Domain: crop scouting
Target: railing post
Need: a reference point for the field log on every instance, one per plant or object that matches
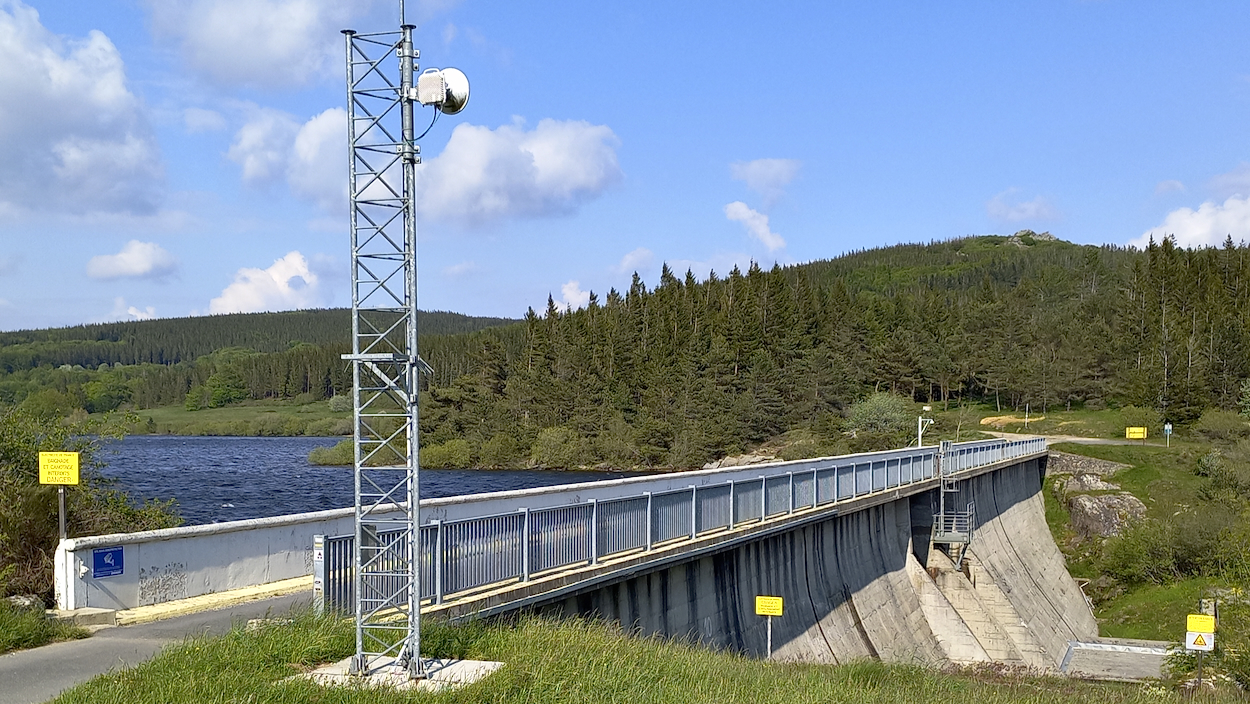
(319, 574)
(763, 498)
(648, 521)
(436, 561)
(525, 545)
(791, 480)
(594, 531)
(732, 500)
(694, 511)
(816, 486)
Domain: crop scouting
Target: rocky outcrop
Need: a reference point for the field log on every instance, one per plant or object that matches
(739, 461)
(1068, 463)
(1104, 515)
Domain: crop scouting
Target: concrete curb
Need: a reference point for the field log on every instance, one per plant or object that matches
(182, 607)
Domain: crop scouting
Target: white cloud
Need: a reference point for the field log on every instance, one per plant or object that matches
(574, 296)
(261, 43)
(756, 224)
(73, 138)
(202, 120)
(485, 175)
(1209, 225)
(1170, 186)
(461, 269)
(1004, 208)
(289, 284)
(1233, 183)
(263, 145)
(640, 258)
(136, 260)
(768, 177)
(317, 169)
(121, 310)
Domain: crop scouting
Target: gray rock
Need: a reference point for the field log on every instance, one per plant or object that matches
(26, 602)
(1105, 515)
(1087, 482)
(739, 461)
(1068, 463)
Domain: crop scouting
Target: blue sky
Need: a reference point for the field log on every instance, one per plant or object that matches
(174, 157)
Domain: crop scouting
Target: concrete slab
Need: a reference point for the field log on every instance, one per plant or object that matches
(1102, 660)
(441, 674)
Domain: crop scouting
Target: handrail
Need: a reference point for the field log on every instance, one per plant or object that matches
(583, 523)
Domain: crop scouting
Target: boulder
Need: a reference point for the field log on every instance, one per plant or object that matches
(1087, 482)
(25, 602)
(1104, 515)
(1068, 463)
(739, 461)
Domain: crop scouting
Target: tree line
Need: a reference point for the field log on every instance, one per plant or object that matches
(693, 369)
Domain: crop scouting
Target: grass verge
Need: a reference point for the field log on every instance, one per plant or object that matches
(26, 628)
(250, 418)
(570, 661)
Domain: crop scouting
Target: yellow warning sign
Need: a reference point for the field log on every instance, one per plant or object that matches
(1199, 640)
(58, 468)
(1135, 432)
(768, 605)
(1201, 623)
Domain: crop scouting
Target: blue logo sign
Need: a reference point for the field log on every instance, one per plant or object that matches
(106, 562)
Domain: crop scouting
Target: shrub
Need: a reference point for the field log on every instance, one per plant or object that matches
(1143, 553)
(28, 514)
(1136, 417)
(341, 404)
(558, 448)
(1223, 426)
(453, 454)
(500, 452)
(880, 413)
(340, 454)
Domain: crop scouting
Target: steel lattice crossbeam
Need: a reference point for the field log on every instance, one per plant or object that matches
(384, 348)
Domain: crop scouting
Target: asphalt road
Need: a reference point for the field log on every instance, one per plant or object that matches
(37, 675)
(1075, 439)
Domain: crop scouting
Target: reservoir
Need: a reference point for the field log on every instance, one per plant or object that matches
(232, 478)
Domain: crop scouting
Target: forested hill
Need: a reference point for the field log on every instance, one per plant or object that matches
(173, 340)
(689, 370)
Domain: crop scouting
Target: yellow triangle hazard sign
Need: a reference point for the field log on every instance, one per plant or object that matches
(1199, 640)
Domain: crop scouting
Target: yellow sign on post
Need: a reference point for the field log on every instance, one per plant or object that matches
(1135, 432)
(59, 468)
(1200, 623)
(768, 605)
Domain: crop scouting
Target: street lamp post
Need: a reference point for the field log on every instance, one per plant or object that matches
(921, 424)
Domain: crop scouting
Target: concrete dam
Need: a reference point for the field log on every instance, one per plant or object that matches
(870, 584)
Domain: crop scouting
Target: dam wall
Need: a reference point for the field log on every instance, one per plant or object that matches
(868, 584)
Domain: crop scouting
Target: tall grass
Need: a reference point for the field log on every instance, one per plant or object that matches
(26, 628)
(571, 661)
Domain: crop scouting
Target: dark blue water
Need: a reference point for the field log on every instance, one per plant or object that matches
(225, 479)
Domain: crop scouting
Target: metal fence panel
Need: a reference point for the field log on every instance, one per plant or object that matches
(670, 515)
(713, 506)
(622, 525)
(804, 490)
(777, 489)
(482, 551)
(748, 496)
(559, 537)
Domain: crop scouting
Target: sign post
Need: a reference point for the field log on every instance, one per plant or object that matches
(1200, 636)
(769, 606)
(60, 469)
(1167, 434)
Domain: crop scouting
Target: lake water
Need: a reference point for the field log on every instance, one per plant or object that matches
(225, 479)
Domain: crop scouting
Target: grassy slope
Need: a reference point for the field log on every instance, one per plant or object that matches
(565, 662)
(248, 418)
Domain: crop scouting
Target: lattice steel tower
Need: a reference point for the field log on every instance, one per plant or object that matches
(385, 365)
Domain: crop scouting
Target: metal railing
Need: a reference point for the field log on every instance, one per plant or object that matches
(471, 553)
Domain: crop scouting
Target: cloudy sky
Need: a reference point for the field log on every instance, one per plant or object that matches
(174, 157)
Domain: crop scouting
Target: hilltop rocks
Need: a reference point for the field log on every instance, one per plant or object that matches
(739, 461)
(1085, 483)
(1104, 515)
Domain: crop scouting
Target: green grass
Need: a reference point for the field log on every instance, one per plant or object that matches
(1152, 612)
(250, 418)
(1161, 477)
(24, 628)
(571, 661)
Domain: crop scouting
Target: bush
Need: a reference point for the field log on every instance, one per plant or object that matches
(1226, 426)
(880, 413)
(342, 454)
(500, 452)
(453, 454)
(341, 404)
(559, 448)
(28, 514)
(1143, 554)
(1136, 417)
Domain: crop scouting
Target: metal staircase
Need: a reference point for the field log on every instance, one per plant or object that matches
(951, 528)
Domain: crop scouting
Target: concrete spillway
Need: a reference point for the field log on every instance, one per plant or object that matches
(868, 585)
